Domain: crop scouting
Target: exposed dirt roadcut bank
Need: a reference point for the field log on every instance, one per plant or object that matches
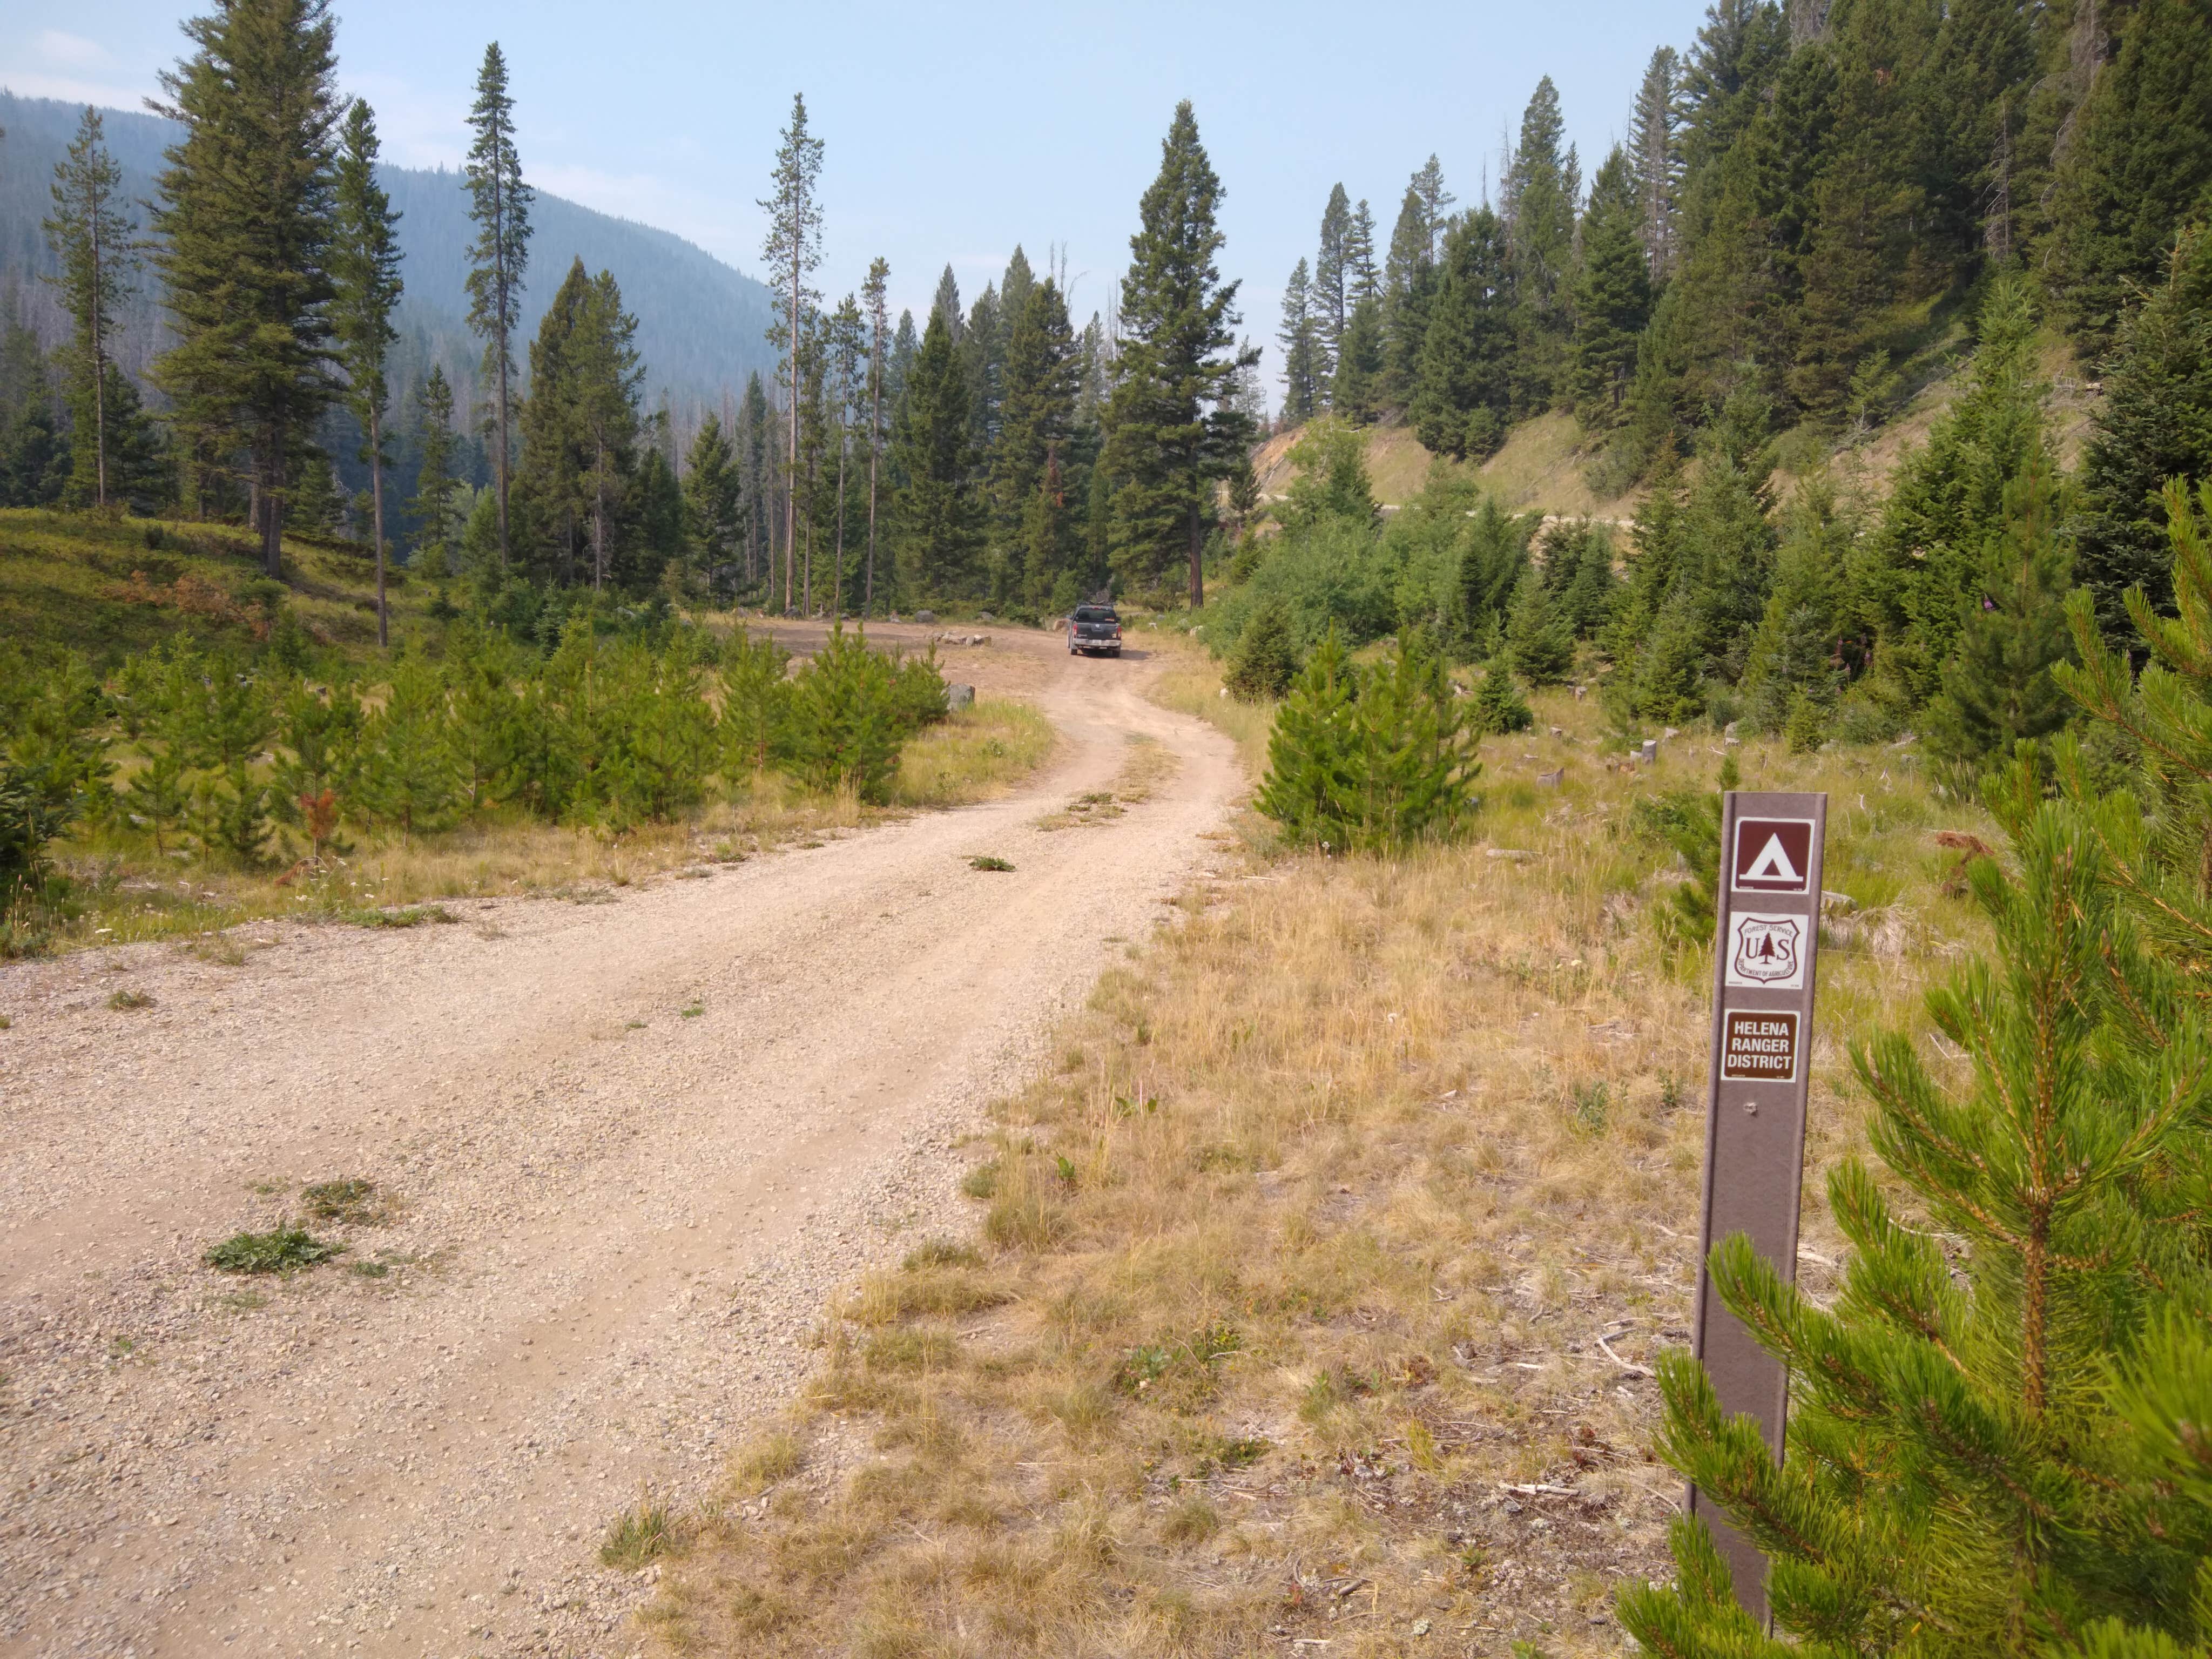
(616, 1216)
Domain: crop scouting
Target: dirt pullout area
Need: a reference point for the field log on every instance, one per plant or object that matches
(620, 1152)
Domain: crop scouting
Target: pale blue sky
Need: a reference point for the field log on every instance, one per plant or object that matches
(952, 133)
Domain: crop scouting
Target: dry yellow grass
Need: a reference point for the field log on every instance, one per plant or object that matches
(977, 754)
(1317, 1280)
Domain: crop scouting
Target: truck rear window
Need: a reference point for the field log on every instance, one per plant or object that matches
(1092, 614)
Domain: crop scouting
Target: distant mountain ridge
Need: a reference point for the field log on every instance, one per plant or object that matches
(700, 323)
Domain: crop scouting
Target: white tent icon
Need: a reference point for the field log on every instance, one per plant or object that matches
(1772, 864)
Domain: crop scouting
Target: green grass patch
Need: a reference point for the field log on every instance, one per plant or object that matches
(412, 915)
(988, 861)
(638, 1537)
(125, 999)
(286, 1249)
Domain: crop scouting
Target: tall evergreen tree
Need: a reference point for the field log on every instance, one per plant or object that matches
(1613, 296)
(1428, 186)
(365, 274)
(1169, 434)
(1997, 689)
(244, 219)
(939, 513)
(755, 450)
(1028, 465)
(1460, 400)
(604, 360)
(1301, 349)
(1406, 285)
(1656, 159)
(1362, 280)
(1332, 297)
(432, 507)
(498, 201)
(873, 293)
(91, 235)
(946, 303)
(792, 249)
(2155, 423)
(1543, 186)
(714, 496)
(553, 490)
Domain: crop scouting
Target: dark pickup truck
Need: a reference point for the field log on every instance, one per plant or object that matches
(1093, 628)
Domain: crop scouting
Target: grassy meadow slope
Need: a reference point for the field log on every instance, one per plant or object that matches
(1317, 1277)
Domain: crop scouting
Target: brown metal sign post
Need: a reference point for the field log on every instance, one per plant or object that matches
(1766, 933)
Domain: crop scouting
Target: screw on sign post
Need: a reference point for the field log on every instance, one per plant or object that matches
(1767, 929)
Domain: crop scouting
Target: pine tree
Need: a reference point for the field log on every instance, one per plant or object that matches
(848, 350)
(938, 514)
(91, 235)
(754, 452)
(1612, 297)
(1655, 158)
(1265, 659)
(946, 304)
(1362, 280)
(1428, 185)
(1169, 433)
(983, 360)
(2154, 424)
(1498, 706)
(792, 249)
(1542, 188)
(713, 496)
(244, 222)
(1997, 686)
(1991, 1444)
(1461, 401)
(1028, 468)
(365, 275)
(1357, 393)
(872, 292)
(1331, 299)
(1792, 664)
(432, 507)
(499, 203)
(1408, 288)
(1539, 641)
(553, 492)
(1301, 350)
(2138, 165)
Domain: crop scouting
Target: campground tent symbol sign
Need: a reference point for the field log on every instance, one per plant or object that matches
(1773, 855)
(1766, 952)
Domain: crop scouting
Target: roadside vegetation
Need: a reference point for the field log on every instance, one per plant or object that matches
(242, 765)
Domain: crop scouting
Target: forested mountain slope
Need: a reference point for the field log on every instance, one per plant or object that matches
(700, 324)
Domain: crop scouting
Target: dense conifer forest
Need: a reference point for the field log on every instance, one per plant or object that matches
(1824, 215)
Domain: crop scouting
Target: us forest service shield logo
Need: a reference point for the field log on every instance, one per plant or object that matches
(1766, 952)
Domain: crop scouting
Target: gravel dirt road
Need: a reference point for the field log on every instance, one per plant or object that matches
(632, 1146)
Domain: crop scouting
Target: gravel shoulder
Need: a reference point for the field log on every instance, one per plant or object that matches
(632, 1146)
